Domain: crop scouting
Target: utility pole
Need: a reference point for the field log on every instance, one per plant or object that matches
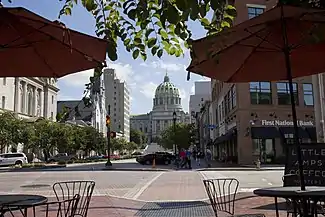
(108, 125)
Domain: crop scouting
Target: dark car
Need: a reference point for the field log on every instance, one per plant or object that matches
(161, 158)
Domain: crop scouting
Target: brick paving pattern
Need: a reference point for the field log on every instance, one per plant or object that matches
(246, 203)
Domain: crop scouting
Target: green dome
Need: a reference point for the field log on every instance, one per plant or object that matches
(166, 88)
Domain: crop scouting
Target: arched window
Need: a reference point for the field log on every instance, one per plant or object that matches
(22, 100)
(30, 102)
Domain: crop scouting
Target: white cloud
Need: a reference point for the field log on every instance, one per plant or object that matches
(124, 72)
(78, 79)
(148, 89)
(163, 65)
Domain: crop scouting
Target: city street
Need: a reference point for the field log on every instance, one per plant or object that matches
(135, 185)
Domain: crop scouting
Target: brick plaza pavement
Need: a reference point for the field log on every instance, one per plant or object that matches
(246, 203)
(115, 207)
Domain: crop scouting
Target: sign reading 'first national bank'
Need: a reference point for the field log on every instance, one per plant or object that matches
(286, 123)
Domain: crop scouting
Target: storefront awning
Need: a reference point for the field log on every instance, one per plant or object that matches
(230, 134)
(264, 133)
(302, 134)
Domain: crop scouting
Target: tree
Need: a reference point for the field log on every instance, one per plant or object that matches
(131, 146)
(182, 136)
(42, 139)
(136, 136)
(9, 130)
(118, 144)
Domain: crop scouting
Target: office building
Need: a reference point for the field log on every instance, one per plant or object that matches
(117, 100)
(254, 120)
(202, 93)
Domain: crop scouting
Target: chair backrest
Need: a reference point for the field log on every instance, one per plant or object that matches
(66, 190)
(222, 194)
(63, 208)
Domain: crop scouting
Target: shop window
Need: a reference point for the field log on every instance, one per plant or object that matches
(254, 11)
(264, 149)
(308, 94)
(260, 92)
(283, 92)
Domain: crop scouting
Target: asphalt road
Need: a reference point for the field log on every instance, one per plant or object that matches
(141, 185)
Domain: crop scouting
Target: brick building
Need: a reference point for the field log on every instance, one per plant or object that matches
(254, 119)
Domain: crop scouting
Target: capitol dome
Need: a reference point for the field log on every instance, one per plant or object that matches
(167, 94)
(166, 88)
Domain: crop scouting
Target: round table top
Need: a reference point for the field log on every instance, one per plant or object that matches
(291, 191)
(22, 200)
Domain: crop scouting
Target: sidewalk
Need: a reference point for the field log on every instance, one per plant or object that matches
(114, 207)
(219, 166)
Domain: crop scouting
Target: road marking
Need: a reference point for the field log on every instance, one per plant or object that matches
(135, 197)
(264, 180)
(269, 183)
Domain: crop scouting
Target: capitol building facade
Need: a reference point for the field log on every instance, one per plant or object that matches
(166, 100)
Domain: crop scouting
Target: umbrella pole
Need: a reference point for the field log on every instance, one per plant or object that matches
(286, 52)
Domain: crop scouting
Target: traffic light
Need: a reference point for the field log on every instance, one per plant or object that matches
(112, 134)
(108, 120)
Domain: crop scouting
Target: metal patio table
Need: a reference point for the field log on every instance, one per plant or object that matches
(21, 201)
(308, 198)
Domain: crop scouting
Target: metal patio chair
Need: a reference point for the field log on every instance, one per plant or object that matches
(222, 196)
(289, 204)
(66, 190)
(64, 208)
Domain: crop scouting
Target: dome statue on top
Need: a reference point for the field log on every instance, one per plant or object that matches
(167, 96)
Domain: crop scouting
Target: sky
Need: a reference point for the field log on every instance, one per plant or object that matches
(141, 76)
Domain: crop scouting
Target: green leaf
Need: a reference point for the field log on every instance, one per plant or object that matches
(160, 53)
(111, 52)
(135, 54)
(205, 22)
(132, 14)
(148, 32)
(172, 15)
(67, 11)
(181, 4)
(152, 42)
(138, 40)
(154, 50)
(127, 41)
(163, 33)
(144, 56)
(172, 50)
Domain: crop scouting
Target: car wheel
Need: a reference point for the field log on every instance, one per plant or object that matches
(148, 162)
(18, 163)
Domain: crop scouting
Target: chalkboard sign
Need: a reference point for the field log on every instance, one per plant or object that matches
(313, 158)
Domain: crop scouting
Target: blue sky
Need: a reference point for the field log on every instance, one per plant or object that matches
(142, 77)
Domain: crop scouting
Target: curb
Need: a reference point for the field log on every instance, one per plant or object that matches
(137, 169)
(33, 169)
(240, 169)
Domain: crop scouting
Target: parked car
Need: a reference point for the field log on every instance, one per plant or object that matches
(113, 156)
(9, 159)
(95, 157)
(136, 153)
(61, 157)
(161, 158)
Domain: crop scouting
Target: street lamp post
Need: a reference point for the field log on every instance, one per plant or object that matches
(108, 125)
(174, 125)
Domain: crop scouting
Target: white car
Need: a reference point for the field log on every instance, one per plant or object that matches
(9, 159)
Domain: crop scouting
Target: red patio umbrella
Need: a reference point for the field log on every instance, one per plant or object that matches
(280, 44)
(33, 46)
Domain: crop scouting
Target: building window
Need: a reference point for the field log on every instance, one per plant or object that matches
(233, 97)
(283, 92)
(260, 92)
(4, 80)
(30, 103)
(3, 102)
(52, 98)
(264, 149)
(308, 94)
(52, 116)
(254, 11)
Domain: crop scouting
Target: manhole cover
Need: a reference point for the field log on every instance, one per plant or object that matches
(35, 186)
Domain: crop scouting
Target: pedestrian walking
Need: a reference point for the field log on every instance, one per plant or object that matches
(208, 157)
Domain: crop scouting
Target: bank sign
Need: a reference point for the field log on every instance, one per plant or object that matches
(286, 123)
